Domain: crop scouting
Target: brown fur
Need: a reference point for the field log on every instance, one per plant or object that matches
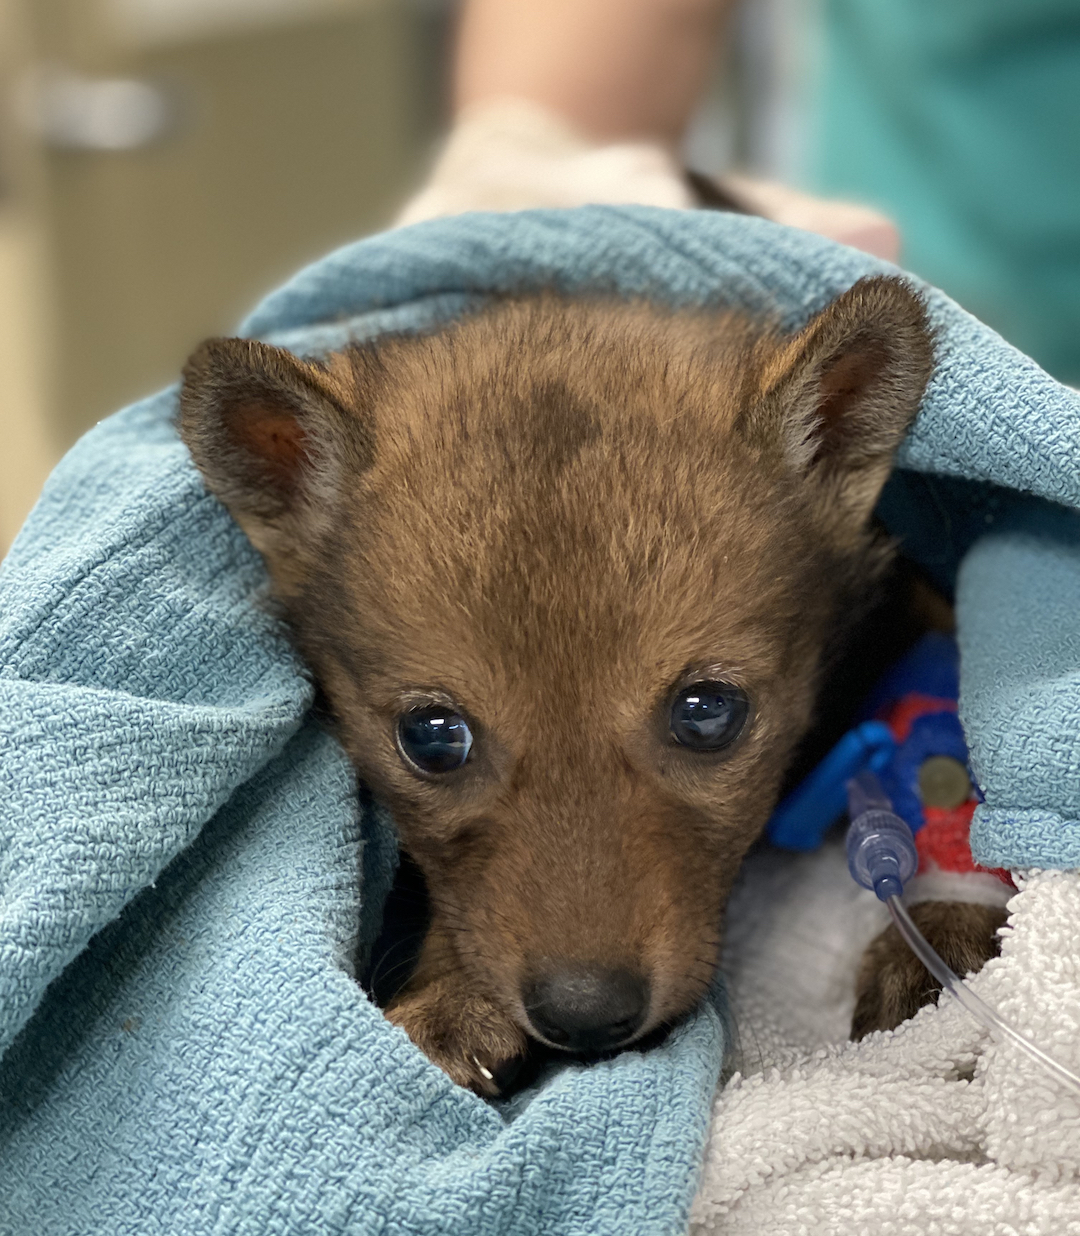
(555, 514)
(893, 984)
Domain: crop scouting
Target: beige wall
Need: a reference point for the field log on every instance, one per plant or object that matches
(28, 448)
(299, 126)
(28, 443)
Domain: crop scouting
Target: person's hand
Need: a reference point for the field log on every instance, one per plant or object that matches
(513, 154)
(851, 224)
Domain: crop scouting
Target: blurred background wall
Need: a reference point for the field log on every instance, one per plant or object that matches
(163, 163)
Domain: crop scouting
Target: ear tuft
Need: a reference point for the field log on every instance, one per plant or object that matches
(273, 436)
(845, 380)
(837, 399)
(266, 429)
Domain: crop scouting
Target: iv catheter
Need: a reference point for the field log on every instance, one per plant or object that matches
(882, 857)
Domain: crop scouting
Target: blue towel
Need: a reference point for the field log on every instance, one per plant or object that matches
(187, 869)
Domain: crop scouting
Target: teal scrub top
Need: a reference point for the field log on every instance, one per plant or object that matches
(961, 119)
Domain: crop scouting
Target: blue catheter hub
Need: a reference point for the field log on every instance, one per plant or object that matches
(881, 851)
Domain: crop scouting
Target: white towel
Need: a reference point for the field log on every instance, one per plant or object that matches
(933, 1129)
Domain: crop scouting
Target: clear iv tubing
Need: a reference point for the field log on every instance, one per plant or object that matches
(882, 857)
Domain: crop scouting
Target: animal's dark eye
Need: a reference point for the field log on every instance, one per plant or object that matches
(707, 716)
(436, 739)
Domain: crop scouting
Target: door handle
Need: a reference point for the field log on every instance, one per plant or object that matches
(69, 111)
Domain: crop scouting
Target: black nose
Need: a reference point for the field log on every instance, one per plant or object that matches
(587, 1008)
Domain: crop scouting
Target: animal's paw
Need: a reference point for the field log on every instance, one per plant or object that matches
(465, 1034)
(893, 984)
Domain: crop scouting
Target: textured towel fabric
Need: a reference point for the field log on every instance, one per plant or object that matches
(182, 881)
(933, 1129)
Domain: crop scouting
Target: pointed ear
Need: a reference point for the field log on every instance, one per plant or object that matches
(269, 432)
(837, 399)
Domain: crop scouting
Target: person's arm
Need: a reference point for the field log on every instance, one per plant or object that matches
(564, 102)
(616, 70)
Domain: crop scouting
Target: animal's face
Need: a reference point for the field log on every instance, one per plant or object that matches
(566, 574)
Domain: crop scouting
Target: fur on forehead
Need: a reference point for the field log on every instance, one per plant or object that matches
(540, 376)
(561, 466)
(575, 472)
